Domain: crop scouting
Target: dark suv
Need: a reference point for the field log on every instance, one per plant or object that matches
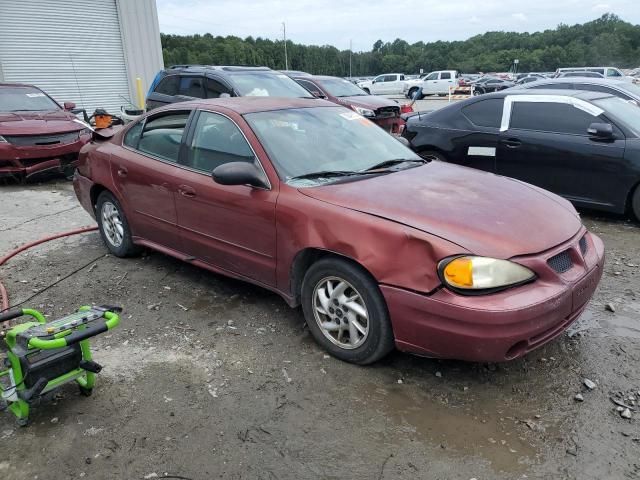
(185, 82)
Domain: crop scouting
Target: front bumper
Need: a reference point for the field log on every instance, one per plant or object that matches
(393, 125)
(24, 161)
(501, 326)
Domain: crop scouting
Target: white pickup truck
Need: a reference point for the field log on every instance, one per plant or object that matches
(387, 84)
(434, 83)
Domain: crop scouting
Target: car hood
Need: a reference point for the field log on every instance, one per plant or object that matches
(37, 123)
(368, 101)
(486, 214)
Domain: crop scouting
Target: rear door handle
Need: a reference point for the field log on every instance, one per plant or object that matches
(511, 143)
(187, 191)
(122, 171)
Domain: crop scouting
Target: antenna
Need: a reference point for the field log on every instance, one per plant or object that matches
(286, 60)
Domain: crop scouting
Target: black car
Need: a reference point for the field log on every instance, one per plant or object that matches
(186, 82)
(582, 145)
(620, 88)
(490, 84)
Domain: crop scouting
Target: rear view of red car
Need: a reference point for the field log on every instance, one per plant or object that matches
(37, 134)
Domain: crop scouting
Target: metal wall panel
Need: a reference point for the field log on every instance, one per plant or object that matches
(141, 39)
(72, 49)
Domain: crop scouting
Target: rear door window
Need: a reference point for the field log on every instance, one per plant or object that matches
(192, 87)
(613, 73)
(162, 136)
(132, 136)
(214, 88)
(168, 85)
(445, 76)
(485, 113)
(312, 87)
(550, 117)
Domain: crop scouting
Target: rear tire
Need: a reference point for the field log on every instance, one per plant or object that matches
(346, 312)
(635, 203)
(114, 227)
(477, 91)
(432, 155)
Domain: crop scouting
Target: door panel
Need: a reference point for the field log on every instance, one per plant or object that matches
(229, 226)
(574, 166)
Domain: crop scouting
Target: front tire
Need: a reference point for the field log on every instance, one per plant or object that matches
(114, 227)
(412, 92)
(477, 91)
(635, 203)
(346, 312)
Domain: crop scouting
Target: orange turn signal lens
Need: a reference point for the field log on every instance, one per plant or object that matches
(459, 272)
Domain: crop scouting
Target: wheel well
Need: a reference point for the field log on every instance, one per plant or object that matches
(96, 190)
(303, 261)
(431, 148)
(628, 208)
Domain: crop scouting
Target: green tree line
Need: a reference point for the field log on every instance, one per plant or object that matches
(607, 40)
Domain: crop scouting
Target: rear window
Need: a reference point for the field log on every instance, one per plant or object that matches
(168, 85)
(192, 87)
(485, 113)
(267, 84)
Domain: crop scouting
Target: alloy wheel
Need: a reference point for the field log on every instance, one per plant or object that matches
(112, 224)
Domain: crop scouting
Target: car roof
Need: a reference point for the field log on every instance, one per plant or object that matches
(582, 94)
(17, 85)
(243, 105)
(592, 80)
(220, 69)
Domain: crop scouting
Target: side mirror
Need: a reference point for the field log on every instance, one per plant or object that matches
(239, 173)
(404, 141)
(373, 81)
(68, 106)
(600, 131)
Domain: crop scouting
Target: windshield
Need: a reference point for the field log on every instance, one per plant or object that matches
(622, 111)
(25, 99)
(267, 84)
(341, 88)
(308, 140)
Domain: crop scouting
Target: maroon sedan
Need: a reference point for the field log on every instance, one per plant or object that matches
(37, 134)
(316, 203)
(382, 111)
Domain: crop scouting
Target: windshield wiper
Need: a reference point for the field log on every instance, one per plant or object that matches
(330, 174)
(395, 161)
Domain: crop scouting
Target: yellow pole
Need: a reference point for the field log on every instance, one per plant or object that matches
(140, 94)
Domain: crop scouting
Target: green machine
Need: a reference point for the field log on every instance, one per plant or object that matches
(44, 355)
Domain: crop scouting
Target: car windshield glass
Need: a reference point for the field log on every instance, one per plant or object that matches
(622, 111)
(267, 84)
(332, 139)
(341, 88)
(25, 99)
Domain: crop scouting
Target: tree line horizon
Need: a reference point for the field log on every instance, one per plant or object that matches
(606, 41)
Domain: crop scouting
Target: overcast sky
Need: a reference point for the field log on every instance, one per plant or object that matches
(335, 22)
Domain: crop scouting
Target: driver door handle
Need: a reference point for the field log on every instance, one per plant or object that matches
(511, 142)
(187, 191)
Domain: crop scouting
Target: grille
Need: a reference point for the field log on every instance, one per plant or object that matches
(562, 262)
(34, 140)
(584, 246)
(385, 112)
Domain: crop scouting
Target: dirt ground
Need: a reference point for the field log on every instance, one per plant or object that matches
(208, 377)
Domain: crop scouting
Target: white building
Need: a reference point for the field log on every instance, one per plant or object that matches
(84, 51)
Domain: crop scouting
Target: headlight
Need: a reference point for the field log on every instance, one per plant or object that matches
(2, 139)
(365, 112)
(470, 274)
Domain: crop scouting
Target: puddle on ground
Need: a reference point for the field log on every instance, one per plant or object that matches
(474, 428)
(624, 322)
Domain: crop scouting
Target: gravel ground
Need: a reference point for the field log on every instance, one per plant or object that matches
(208, 377)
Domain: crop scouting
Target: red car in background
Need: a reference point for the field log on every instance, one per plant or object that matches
(36, 133)
(380, 247)
(380, 110)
